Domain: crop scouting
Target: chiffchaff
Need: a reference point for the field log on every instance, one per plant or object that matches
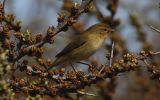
(84, 45)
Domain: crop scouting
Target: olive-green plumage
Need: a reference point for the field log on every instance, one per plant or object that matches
(84, 45)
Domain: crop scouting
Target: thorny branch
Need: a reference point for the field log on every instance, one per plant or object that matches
(77, 80)
(59, 81)
(61, 26)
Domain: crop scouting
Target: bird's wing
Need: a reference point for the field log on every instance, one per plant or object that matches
(78, 42)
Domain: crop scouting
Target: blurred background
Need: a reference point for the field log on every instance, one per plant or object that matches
(38, 15)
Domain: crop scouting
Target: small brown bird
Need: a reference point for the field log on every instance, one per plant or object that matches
(84, 45)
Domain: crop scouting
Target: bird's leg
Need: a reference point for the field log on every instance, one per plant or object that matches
(86, 64)
(73, 68)
(82, 63)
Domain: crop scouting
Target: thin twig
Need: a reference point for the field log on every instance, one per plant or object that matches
(155, 53)
(73, 68)
(85, 93)
(155, 29)
(111, 55)
(102, 69)
(4, 2)
(145, 61)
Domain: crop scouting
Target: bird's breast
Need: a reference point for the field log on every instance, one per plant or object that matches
(88, 49)
(95, 43)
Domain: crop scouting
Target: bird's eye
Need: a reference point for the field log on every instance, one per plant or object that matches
(105, 29)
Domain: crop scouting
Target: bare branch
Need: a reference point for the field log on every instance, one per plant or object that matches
(111, 54)
(155, 29)
(85, 93)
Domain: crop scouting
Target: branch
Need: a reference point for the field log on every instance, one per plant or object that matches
(59, 28)
(111, 54)
(155, 29)
(84, 4)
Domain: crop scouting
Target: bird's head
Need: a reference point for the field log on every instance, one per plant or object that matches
(101, 29)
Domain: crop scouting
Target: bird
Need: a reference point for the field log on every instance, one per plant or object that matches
(84, 45)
